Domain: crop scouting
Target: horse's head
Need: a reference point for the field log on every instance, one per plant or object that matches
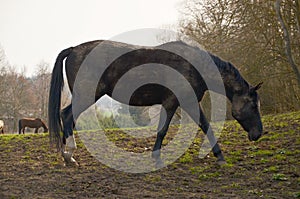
(246, 110)
(45, 128)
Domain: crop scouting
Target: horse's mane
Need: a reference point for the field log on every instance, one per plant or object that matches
(226, 68)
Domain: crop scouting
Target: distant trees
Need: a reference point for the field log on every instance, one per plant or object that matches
(260, 37)
(249, 34)
(41, 85)
(17, 98)
(22, 96)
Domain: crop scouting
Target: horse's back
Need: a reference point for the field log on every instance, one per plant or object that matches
(30, 122)
(86, 50)
(105, 63)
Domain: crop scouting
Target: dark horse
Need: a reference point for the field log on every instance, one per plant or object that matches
(31, 123)
(243, 96)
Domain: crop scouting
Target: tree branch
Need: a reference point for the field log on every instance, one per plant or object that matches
(287, 41)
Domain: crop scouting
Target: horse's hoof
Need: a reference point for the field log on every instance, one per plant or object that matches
(159, 164)
(221, 162)
(156, 154)
(71, 162)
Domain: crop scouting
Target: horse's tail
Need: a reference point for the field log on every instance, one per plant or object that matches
(56, 86)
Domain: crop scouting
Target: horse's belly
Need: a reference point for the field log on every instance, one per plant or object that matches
(146, 95)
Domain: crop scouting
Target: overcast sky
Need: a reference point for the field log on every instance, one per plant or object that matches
(35, 30)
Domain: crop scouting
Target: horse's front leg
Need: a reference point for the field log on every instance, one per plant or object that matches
(163, 125)
(69, 144)
(207, 129)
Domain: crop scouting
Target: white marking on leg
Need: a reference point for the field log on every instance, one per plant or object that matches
(69, 150)
(70, 143)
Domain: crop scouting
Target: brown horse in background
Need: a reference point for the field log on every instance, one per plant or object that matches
(31, 123)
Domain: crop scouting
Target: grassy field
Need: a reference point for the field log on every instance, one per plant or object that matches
(268, 168)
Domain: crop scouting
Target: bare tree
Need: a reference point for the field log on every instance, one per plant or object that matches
(286, 36)
(248, 34)
(17, 98)
(41, 83)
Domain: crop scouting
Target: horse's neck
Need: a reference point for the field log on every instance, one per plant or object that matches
(234, 86)
(233, 82)
(44, 125)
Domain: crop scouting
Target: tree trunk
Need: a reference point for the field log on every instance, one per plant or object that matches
(297, 4)
(287, 41)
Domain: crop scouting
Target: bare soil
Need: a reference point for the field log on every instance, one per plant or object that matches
(268, 168)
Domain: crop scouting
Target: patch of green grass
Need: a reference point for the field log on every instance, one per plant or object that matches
(206, 176)
(227, 165)
(10, 137)
(228, 142)
(234, 157)
(279, 177)
(264, 160)
(236, 152)
(186, 158)
(271, 169)
(198, 169)
(281, 124)
(279, 157)
(271, 136)
(262, 152)
(252, 147)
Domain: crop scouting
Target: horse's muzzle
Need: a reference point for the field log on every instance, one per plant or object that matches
(254, 136)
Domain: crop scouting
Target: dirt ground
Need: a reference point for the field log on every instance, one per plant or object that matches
(269, 168)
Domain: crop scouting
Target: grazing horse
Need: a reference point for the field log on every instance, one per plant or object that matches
(243, 96)
(1, 127)
(32, 123)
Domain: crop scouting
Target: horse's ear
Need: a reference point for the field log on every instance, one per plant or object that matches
(258, 86)
(255, 88)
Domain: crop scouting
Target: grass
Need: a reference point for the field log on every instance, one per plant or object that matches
(280, 177)
(186, 158)
(268, 168)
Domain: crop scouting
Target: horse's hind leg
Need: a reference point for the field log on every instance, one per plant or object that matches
(163, 125)
(69, 144)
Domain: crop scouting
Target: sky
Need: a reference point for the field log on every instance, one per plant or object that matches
(32, 31)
